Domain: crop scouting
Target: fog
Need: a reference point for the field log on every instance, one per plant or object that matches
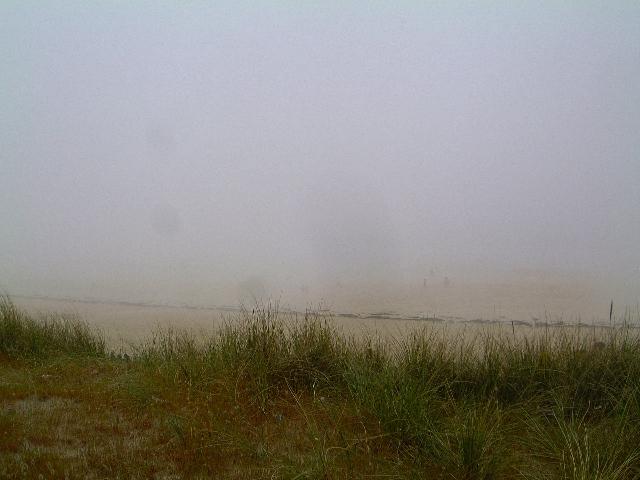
(335, 152)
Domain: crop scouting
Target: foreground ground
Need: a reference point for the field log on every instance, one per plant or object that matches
(263, 398)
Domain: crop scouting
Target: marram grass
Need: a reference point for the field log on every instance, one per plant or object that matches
(268, 396)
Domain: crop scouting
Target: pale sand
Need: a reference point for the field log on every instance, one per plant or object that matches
(124, 324)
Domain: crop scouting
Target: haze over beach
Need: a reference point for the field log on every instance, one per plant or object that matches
(462, 160)
(320, 240)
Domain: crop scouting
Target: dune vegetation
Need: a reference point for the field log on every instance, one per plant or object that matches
(269, 397)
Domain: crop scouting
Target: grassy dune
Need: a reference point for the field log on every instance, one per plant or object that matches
(268, 398)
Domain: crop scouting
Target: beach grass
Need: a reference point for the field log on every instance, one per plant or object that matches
(271, 396)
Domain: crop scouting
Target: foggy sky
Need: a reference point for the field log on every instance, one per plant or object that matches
(172, 150)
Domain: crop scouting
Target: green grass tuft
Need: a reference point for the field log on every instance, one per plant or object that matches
(21, 336)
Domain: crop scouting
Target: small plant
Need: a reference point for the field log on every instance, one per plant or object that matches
(568, 447)
(475, 445)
